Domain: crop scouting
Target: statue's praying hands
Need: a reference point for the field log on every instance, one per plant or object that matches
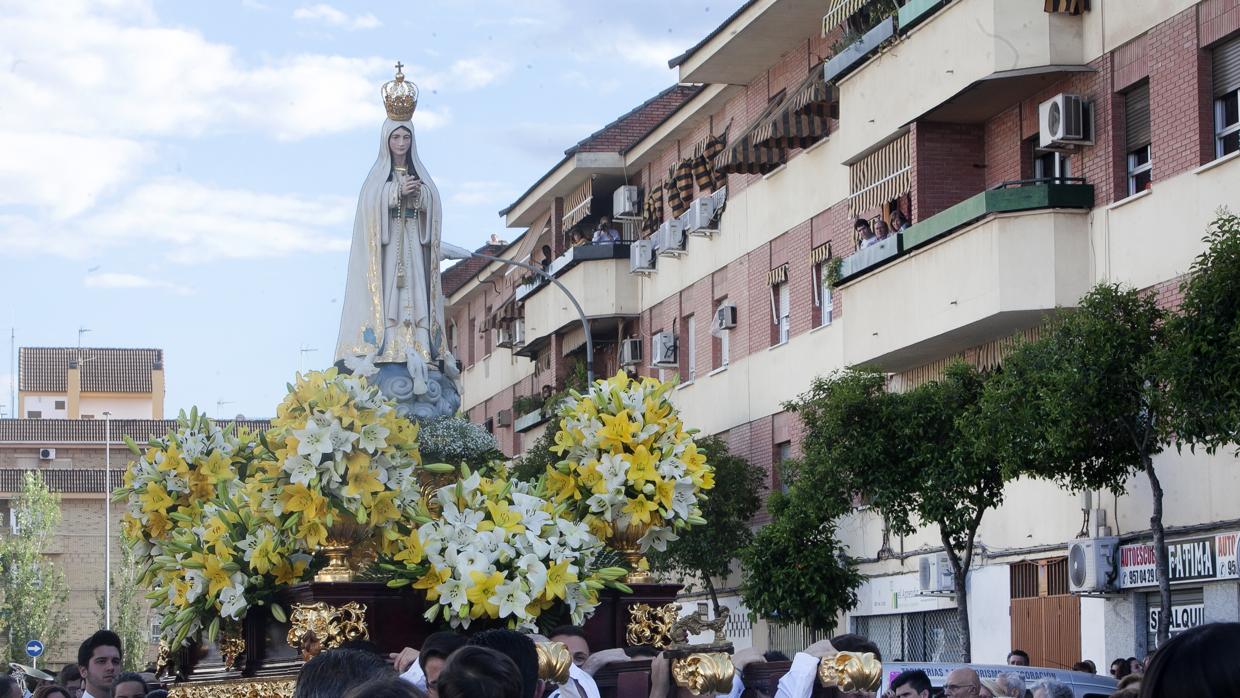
(410, 186)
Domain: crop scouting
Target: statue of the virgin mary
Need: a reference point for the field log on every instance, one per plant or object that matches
(392, 323)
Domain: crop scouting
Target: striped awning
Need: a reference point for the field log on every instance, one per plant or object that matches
(748, 157)
(704, 154)
(802, 119)
(821, 253)
(778, 275)
(577, 205)
(880, 176)
(652, 211)
(839, 13)
(1069, 7)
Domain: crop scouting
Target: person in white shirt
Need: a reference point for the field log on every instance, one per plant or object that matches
(606, 234)
(799, 681)
(99, 661)
(581, 683)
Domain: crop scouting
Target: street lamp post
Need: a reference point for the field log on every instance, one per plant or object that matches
(449, 251)
(107, 520)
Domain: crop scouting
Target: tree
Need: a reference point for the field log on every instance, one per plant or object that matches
(532, 464)
(1203, 348)
(32, 587)
(1086, 405)
(908, 456)
(707, 551)
(130, 617)
(795, 570)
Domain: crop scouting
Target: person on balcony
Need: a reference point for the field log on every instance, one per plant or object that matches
(578, 239)
(606, 233)
(881, 231)
(898, 220)
(865, 236)
(547, 258)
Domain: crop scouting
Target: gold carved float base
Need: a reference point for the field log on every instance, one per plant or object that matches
(244, 688)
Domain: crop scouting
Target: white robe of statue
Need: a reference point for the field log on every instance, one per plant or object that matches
(381, 316)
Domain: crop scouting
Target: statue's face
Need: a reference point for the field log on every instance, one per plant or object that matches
(399, 143)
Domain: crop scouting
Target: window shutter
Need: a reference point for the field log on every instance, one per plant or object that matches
(1137, 117)
(1227, 67)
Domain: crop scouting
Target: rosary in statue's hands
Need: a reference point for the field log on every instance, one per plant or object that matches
(410, 186)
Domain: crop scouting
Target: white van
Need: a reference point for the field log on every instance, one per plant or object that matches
(1083, 685)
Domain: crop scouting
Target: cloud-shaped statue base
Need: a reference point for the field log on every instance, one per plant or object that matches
(441, 398)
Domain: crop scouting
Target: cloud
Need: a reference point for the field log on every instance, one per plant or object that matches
(73, 66)
(119, 280)
(188, 222)
(331, 16)
(483, 192)
(33, 170)
(474, 73)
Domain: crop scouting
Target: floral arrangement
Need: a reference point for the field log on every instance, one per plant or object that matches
(208, 554)
(343, 455)
(499, 552)
(629, 468)
(457, 440)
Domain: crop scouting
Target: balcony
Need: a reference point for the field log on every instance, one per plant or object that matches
(962, 62)
(993, 264)
(597, 276)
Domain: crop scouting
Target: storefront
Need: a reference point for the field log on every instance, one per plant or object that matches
(1204, 586)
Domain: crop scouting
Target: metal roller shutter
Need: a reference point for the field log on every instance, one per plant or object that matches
(1227, 67)
(1137, 117)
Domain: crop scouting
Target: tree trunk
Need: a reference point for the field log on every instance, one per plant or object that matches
(710, 589)
(959, 577)
(1160, 554)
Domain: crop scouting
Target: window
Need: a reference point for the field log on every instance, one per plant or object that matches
(783, 454)
(1227, 124)
(720, 340)
(60, 404)
(34, 414)
(690, 344)
(930, 636)
(488, 336)
(452, 346)
(1051, 165)
(781, 309)
(1137, 135)
(155, 632)
(822, 295)
(1227, 98)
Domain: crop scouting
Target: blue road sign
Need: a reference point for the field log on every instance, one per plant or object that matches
(34, 648)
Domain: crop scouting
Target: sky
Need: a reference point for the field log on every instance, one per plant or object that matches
(183, 175)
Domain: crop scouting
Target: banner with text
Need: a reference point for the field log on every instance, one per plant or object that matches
(1190, 560)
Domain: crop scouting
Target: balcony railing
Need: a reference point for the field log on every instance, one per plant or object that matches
(1021, 195)
(571, 258)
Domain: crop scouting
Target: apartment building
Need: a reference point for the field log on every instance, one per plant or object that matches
(1035, 148)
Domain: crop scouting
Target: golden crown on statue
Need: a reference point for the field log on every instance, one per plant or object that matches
(400, 97)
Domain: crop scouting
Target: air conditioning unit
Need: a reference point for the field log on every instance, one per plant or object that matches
(47, 454)
(503, 337)
(725, 317)
(934, 574)
(627, 202)
(1063, 121)
(670, 238)
(503, 418)
(1092, 565)
(631, 352)
(641, 256)
(700, 218)
(518, 333)
(663, 349)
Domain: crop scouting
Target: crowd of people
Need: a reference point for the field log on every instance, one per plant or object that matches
(504, 664)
